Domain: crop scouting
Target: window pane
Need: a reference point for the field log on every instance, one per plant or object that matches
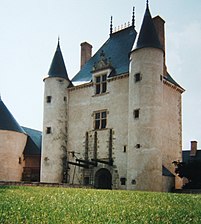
(104, 77)
(97, 116)
(103, 123)
(98, 79)
(97, 124)
(104, 87)
(103, 114)
(97, 88)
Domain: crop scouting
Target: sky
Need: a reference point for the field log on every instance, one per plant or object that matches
(29, 32)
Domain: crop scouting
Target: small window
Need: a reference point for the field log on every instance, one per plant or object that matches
(136, 113)
(133, 181)
(101, 84)
(100, 120)
(48, 99)
(138, 146)
(137, 77)
(65, 98)
(124, 148)
(48, 130)
(123, 180)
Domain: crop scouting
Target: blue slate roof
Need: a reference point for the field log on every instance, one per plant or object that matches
(117, 49)
(169, 78)
(7, 121)
(148, 36)
(58, 68)
(166, 172)
(186, 156)
(33, 145)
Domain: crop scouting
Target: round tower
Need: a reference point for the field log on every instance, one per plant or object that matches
(12, 143)
(144, 167)
(54, 140)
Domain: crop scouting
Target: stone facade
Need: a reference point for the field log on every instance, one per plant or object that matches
(122, 128)
(12, 145)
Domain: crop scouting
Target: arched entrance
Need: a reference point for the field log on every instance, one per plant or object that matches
(103, 179)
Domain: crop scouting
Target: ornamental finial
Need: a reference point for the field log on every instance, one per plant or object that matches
(111, 26)
(133, 18)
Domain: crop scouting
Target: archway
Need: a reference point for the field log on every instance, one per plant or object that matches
(103, 179)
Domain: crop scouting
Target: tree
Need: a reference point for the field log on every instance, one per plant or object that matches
(190, 170)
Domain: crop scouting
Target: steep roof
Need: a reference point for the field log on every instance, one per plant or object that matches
(169, 78)
(166, 172)
(7, 121)
(116, 49)
(58, 68)
(33, 145)
(148, 36)
(186, 155)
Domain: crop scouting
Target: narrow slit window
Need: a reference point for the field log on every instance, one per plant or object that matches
(48, 99)
(48, 130)
(136, 113)
(137, 77)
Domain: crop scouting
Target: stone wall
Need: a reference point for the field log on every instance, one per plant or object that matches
(12, 145)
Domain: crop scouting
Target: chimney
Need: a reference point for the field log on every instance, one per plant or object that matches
(86, 50)
(160, 29)
(193, 148)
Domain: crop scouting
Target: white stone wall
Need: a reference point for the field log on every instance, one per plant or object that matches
(82, 103)
(172, 128)
(12, 145)
(55, 117)
(144, 167)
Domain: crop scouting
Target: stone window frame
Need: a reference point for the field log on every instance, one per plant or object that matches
(100, 82)
(100, 119)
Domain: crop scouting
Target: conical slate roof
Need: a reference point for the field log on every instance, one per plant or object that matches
(58, 68)
(7, 121)
(148, 36)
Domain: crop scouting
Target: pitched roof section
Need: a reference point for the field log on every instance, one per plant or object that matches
(7, 121)
(186, 157)
(33, 145)
(117, 49)
(58, 68)
(148, 36)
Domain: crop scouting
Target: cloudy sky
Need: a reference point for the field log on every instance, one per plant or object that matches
(28, 37)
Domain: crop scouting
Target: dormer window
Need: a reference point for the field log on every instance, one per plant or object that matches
(101, 84)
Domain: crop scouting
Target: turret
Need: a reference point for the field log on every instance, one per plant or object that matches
(144, 169)
(13, 140)
(54, 141)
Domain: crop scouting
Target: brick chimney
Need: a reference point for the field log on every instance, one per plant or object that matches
(160, 29)
(86, 50)
(193, 148)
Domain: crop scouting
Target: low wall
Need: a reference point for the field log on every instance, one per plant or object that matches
(25, 183)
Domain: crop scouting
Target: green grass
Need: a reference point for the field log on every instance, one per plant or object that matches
(67, 205)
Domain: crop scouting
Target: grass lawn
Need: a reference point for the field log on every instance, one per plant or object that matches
(68, 205)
